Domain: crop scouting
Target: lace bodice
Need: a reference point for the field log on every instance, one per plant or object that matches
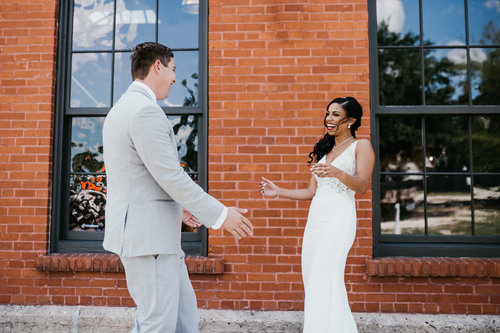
(346, 162)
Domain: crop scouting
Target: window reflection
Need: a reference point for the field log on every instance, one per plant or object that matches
(87, 202)
(398, 24)
(86, 144)
(400, 80)
(135, 22)
(485, 136)
(402, 205)
(485, 75)
(122, 78)
(484, 16)
(401, 144)
(449, 205)
(177, 16)
(444, 22)
(446, 76)
(93, 24)
(90, 80)
(447, 139)
(185, 91)
(186, 131)
(487, 205)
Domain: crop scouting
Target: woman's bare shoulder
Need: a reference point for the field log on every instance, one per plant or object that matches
(364, 143)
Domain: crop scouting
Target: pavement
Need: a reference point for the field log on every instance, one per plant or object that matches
(83, 319)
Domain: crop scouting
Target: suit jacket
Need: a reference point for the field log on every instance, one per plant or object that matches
(146, 184)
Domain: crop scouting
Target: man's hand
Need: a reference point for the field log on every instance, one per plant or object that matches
(236, 223)
(190, 220)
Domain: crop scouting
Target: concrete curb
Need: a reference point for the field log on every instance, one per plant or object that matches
(83, 319)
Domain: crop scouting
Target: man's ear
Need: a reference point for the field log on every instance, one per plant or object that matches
(156, 65)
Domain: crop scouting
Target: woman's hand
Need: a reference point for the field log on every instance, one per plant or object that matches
(190, 220)
(323, 170)
(267, 188)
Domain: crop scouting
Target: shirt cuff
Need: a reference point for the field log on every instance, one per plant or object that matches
(220, 220)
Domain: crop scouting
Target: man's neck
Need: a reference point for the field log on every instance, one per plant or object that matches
(149, 87)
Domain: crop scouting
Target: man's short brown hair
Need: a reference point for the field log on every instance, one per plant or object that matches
(145, 54)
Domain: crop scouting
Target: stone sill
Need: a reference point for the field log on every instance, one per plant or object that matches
(105, 262)
(434, 267)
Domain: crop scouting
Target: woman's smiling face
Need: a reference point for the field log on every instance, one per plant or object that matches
(336, 120)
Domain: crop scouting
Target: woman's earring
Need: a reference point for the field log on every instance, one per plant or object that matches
(349, 126)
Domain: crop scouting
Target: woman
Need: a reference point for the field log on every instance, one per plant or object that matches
(343, 166)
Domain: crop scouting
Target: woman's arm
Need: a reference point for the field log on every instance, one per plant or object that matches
(269, 189)
(365, 158)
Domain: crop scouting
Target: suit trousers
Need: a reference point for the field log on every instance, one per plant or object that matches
(162, 291)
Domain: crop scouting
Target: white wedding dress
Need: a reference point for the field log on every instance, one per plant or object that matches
(328, 236)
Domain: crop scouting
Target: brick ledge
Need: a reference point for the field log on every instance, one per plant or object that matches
(105, 262)
(433, 267)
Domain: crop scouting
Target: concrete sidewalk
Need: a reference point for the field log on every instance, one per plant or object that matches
(82, 319)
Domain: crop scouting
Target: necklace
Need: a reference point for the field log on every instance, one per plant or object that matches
(337, 146)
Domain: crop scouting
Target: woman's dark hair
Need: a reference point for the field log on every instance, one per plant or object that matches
(145, 54)
(353, 110)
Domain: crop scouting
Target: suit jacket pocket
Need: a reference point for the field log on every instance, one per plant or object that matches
(152, 227)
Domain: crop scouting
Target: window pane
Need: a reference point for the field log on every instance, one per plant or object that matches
(90, 80)
(487, 205)
(135, 23)
(186, 132)
(443, 22)
(400, 81)
(446, 76)
(485, 75)
(397, 22)
(86, 144)
(178, 16)
(185, 91)
(402, 205)
(484, 22)
(447, 143)
(87, 202)
(449, 205)
(93, 25)
(485, 136)
(401, 144)
(122, 78)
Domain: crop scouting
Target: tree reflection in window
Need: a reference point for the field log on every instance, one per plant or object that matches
(186, 131)
(190, 100)
(445, 81)
(487, 72)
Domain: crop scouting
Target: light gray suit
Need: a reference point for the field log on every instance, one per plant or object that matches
(147, 189)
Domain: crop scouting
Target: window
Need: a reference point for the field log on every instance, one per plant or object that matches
(93, 71)
(435, 102)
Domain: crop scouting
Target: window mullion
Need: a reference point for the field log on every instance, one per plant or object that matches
(422, 55)
(157, 20)
(471, 172)
(467, 41)
(113, 57)
(424, 169)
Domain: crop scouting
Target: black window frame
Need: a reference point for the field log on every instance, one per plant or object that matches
(391, 245)
(193, 243)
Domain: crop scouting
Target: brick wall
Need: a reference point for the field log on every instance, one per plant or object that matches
(272, 70)
(27, 64)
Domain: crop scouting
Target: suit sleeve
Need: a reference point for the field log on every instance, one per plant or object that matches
(152, 134)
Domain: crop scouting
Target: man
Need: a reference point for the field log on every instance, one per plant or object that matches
(146, 189)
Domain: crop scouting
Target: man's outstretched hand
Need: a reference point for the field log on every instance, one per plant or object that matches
(236, 223)
(190, 220)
